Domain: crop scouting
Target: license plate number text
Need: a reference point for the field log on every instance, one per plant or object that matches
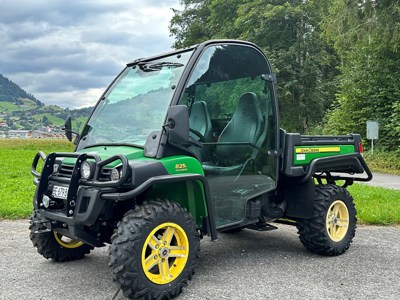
(60, 192)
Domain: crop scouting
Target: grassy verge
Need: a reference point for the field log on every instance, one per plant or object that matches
(16, 184)
(383, 162)
(374, 205)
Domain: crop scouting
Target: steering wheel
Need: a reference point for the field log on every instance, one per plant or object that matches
(201, 137)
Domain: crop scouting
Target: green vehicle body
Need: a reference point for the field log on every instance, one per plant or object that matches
(167, 151)
(188, 194)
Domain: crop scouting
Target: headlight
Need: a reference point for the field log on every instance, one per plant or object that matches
(56, 167)
(115, 175)
(46, 201)
(86, 170)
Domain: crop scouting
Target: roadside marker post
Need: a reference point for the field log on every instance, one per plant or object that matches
(372, 133)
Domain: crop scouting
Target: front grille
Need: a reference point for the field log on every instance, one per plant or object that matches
(105, 175)
(66, 171)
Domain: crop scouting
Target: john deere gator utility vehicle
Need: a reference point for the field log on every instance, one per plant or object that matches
(183, 145)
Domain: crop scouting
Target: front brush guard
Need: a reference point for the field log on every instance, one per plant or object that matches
(72, 215)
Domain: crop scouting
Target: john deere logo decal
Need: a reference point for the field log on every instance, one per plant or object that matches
(180, 167)
(317, 150)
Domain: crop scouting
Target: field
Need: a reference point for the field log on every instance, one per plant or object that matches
(16, 184)
(374, 205)
(10, 107)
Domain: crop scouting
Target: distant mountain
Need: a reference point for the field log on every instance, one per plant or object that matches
(12, 92)
(21, 110)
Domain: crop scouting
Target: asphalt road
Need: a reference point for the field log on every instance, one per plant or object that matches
(385, 180)
(246, 265)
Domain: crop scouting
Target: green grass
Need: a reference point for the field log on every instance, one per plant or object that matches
(375, 205)
(8, 106)
(16, 184)
(77, 123)
(54, 120)
(29, 102)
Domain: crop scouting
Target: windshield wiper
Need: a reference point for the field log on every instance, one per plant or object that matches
(148, 67)
(113, 144)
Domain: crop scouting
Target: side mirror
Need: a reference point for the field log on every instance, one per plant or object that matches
(178, 124)
(68, 128)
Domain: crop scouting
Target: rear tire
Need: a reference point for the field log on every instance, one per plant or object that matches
(332, 228)
(154, 251)
(54, 245)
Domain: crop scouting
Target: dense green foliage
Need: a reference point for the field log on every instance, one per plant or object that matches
(16, 184)
(383, 162)
(289, 33)
(366, 36)
(337, 61)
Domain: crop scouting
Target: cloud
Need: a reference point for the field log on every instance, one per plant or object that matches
(65, 53)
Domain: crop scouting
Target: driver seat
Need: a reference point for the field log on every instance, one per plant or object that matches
(245, 126)
(200, 121)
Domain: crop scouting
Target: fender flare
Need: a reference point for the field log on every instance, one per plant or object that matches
(119, 197)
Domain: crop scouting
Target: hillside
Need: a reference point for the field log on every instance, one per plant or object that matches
(12, 92)
(21, 110)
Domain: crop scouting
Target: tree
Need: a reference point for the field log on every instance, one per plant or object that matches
(289, 32)
(190, 25)
(366, 35)
(46, 121)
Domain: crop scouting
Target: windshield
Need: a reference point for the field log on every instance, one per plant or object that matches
(136, 104)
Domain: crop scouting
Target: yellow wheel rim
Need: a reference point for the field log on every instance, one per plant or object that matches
(66, 242)
(165, 253)
(337, 221)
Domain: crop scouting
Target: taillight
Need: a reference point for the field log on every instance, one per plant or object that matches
(360, 148)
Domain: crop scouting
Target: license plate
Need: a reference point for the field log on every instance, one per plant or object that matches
(60, 192)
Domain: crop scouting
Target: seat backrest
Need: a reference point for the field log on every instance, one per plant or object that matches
(200, 121)
(245, 126)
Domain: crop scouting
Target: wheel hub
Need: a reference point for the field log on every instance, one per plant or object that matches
(337, 220)
(164, 252)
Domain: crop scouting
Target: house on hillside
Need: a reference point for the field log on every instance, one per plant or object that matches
(19, 134)
(40, 134)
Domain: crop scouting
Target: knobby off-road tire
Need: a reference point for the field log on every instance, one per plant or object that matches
(154, 250)
(54, 245)
(332, 228)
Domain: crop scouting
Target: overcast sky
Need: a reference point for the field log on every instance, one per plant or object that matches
(67, 52)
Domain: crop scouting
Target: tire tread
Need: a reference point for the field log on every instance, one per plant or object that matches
(312, 232)
(49, 248)
(126, 240)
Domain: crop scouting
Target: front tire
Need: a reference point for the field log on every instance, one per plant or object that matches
(332, 228)
(154, 250)
(54, 245)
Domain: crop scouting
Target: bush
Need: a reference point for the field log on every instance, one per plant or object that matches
(383, 161)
